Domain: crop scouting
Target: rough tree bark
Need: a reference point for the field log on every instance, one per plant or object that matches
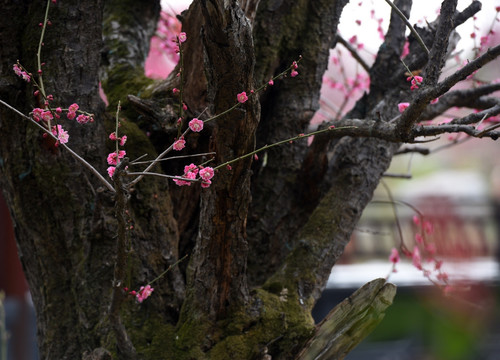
(263, 238)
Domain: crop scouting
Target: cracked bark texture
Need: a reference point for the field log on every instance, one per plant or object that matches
(263, 238)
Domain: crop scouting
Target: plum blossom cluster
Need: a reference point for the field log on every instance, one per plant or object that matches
(416, 80)
(21, 73)
(143, 293)
(191, 172)
(423, 255)
(47, 115)
(115, 157)
(294, 71)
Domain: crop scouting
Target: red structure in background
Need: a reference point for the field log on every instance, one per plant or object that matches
(13, 283)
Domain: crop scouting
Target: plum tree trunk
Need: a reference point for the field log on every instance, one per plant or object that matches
(261, 240)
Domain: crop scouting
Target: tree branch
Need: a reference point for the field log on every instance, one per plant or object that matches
(353, 52)
(350, 322)
(479, 116)
(437, 55)
(433, 130)
(471, 98)
(424, 96)
(281, 34)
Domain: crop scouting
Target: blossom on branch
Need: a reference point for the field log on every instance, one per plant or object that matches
(402, 106)
(207, 173)
(61, 134)
(144, 293)
(242, 97)
(179, 144)
(196, 125)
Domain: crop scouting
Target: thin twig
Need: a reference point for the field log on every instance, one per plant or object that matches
(135, 162)
(397, 176)
(396, 218)
(265, 147)
(144, 173)
(412, 29)
(168, 269)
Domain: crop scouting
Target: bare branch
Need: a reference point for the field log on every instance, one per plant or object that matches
(472, 98)
(479, 116)
(413, 149)
(468, 12)
(397, 176)
(433, 130)
(439, 48)
(422, 100)
(353, 52)
(468, 69)
(350, 321)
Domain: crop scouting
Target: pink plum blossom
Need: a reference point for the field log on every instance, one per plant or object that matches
(73, 107)
(82, 119)
(144, 293)
(394, 257)
(190, 172)
(207, 173)
(37, 114)
(114, 157)
(196, 125)
(206, 183)
(61, 134)
(416, 259)
(242, 97)
(402, 106)
(179, 144)
(47, 115)
(419, 239)
(111, 171)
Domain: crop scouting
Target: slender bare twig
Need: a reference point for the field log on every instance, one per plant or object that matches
(412, 29)
(477, 117)
(144, 173)
(396, 217)
(433, 130)
(135, 162)
(397, 176)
